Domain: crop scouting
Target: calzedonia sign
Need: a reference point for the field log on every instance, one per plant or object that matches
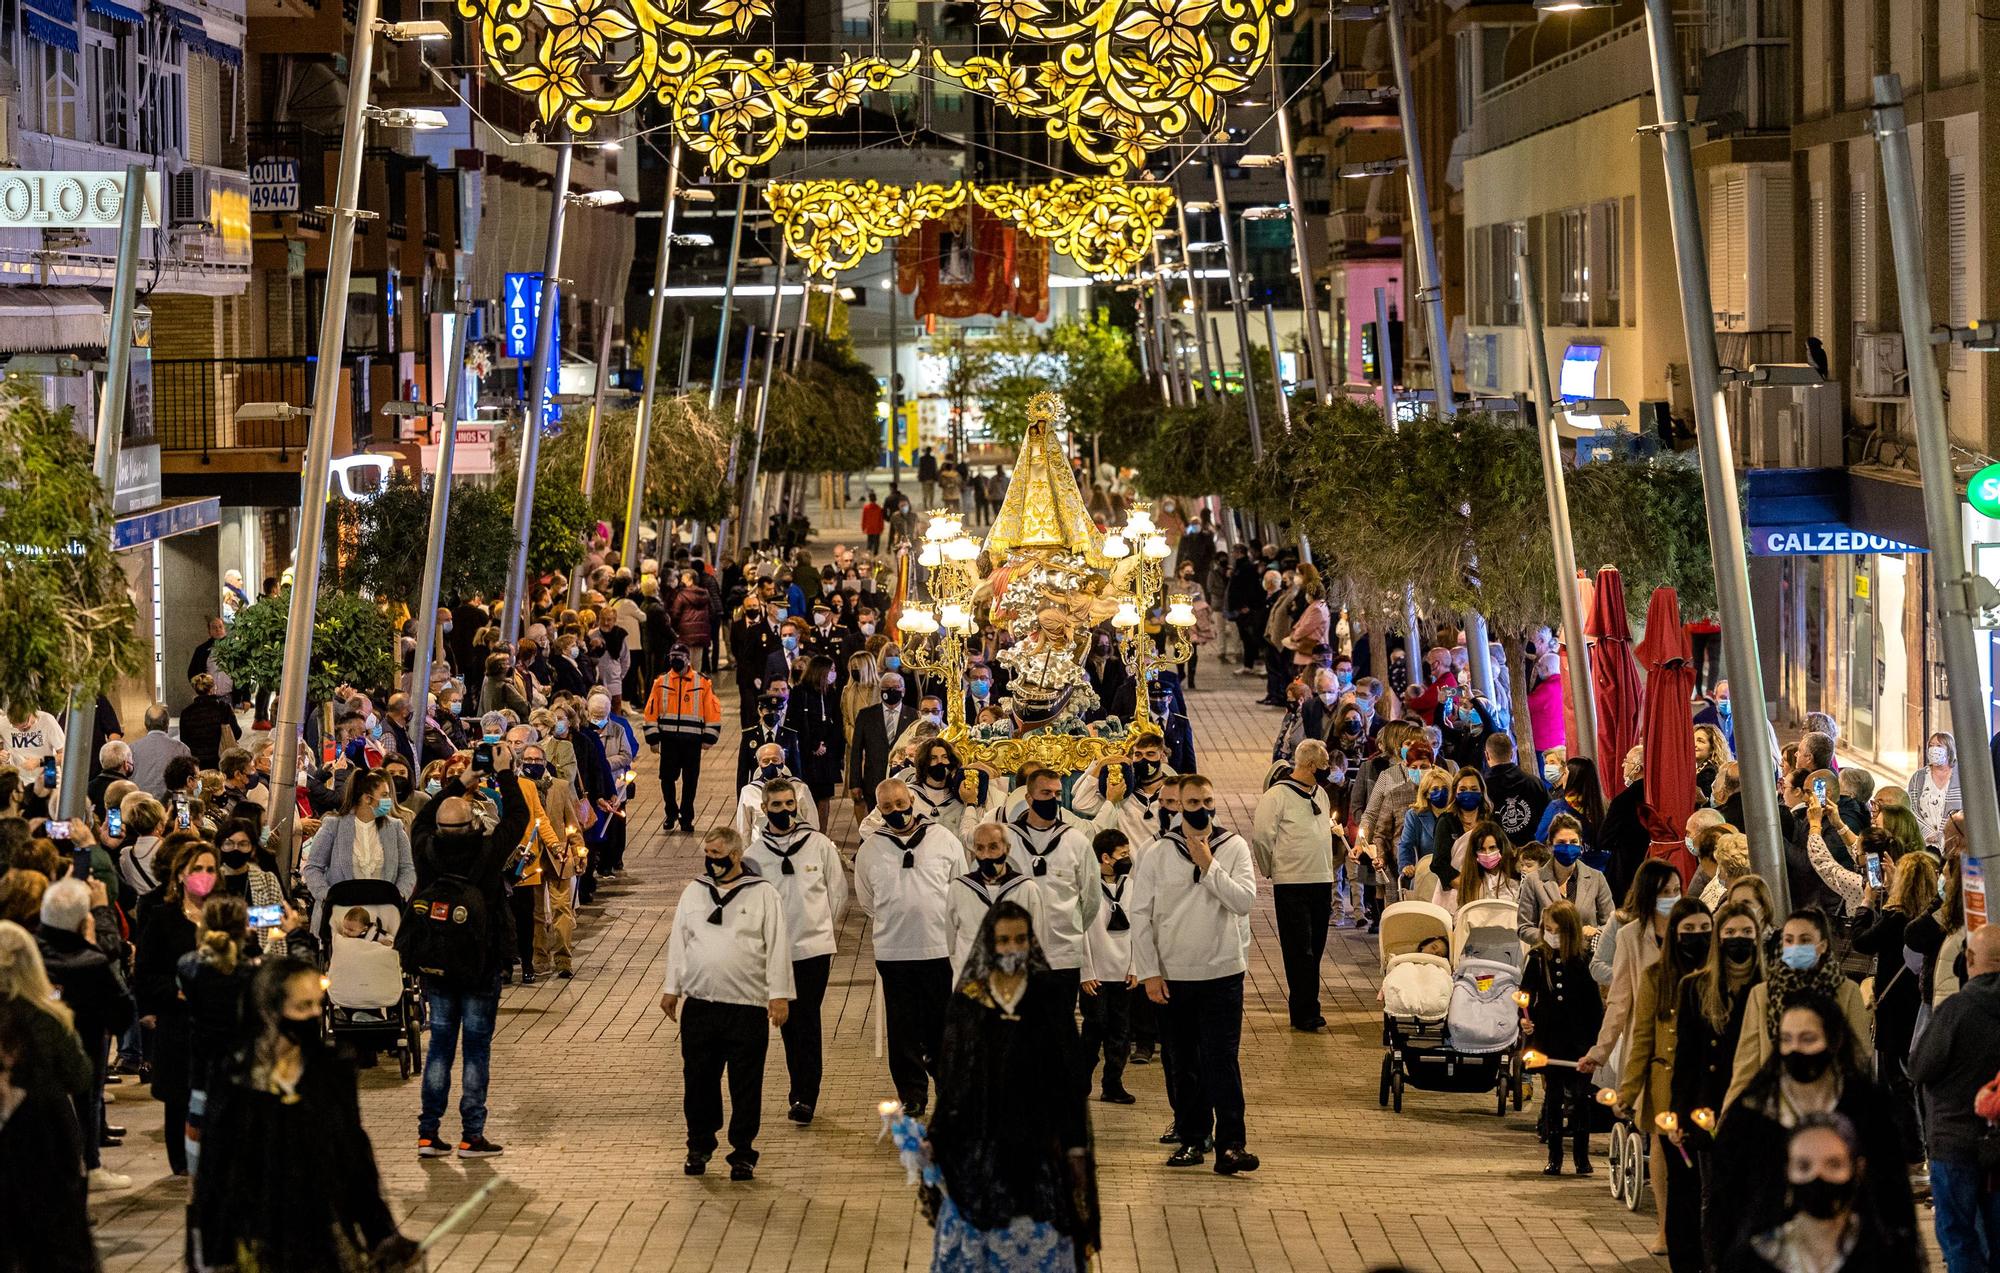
(70, 200)
(1826, 539)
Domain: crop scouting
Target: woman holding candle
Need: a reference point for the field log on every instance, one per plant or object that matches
(1707, 1021)
(1560, 1019)
(1646, 1087)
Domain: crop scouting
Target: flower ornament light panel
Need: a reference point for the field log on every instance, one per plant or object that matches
(1124, 77)
(1105, 226)
(588, 60)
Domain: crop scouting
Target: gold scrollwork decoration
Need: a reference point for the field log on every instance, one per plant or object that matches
(831, 225)
(1127, 76)
(1064, 753)
(1105, 226)
(587, 60)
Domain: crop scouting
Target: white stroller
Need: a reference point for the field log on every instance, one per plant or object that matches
(371, 1004)
(1418, 1000)
(1484, 1019)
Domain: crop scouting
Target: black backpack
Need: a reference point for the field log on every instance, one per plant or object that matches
(443, 936)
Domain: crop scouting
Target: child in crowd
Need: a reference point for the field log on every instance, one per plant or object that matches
(1561, 1021)
(357, 922)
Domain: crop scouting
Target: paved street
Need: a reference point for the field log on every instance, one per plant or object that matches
(586, 1097)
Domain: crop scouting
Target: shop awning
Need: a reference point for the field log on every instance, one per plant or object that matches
(53, 22)
(39, 319)
(115, 11)
(136, 530)
(195, 33)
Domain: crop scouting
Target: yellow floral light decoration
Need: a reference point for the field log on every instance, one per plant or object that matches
(831, 225)
(586, 60)
(1127, 76)
(1106, 226)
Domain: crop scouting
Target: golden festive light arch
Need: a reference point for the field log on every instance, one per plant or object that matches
(1126, 76)
(587, 60)
(1106, 226)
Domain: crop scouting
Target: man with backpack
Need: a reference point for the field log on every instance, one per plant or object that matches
(458, 933)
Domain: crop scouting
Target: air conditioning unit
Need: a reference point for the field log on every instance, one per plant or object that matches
(1879, 370)
(187, 198)
(1787, 426)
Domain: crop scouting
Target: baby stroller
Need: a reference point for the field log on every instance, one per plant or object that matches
(1417, 1004)
(1628, 1162)
(1484, 1019)
(371, 1004)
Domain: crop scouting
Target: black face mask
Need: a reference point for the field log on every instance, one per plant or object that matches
(992, 868)
(235, 859)
(937, 773)
(1352, 725)
(1693, 948)
(781, 819)
(768, 717)
(892, 696)
(1145, 770)
(1739, 950)
(1196, 819)
(898, 819)
(678, 663)
(1823, 1199)
(1158, 706)
(716, 867)
(769, 772)
(1806, 1067)
(1121, 867)
(1047, 809)
(462, 842)
(300, 1031)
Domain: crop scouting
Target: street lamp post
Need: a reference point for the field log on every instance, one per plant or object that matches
(642, 433)
(749, 528)
(73, 796)
(548, 309)
(1385, 366)
(1942, 519)
(722, 528)
(1430, 275)
(1301, 243)
(1236, 304)
(1717, 450)
(728, 299)
(1583, 695)
(1196, 286)
(454, 399)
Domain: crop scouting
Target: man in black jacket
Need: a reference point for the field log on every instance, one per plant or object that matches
(72, 912)
(447, 843)
(1245, 605)
(752, 638)
(1518, 797)
(1957, 1054)
(875, 731)
(770, 728)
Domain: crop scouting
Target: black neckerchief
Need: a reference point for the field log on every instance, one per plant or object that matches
(1312, 796)
(1116, 896)
(785, 855)
(908, 844)
(980, 885)
(1179, 840)
(1041, 858)
(722, 899)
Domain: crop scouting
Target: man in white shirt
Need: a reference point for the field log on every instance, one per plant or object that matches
(33, 740)
(1107, 968)
(729, 970)
(1191, 896)
(993, 878)
(1055, 853)
(153, 749)
(901, 876)
(1137, 810)
(806, 869)
(1292, 841)
(771, 767)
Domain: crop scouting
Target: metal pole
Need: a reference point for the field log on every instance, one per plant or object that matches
(1430, 276)
(1170, 387)
(687, 354)
(798, 346)
(642, 433)
(1195, 289)
(895, 392)
(1942, 516)
(728, 298)
(1301, 243)
(764, 390)
(317, 462)
(1277, 370)
(1236, 303)
(1385, 366)
(595, 437)
(454, 402)
(547, 310)
(73, 795)
(1582, 689)
(735, 444)
(1717, 449)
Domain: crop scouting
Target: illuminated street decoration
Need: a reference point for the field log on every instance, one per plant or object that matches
(1126, 76)
(1105, 226)
(586, 60)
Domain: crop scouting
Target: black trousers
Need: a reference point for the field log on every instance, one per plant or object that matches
(1144, 1015)
(746, 701)
(522, 902)
(1107, 1021)
(612, 848)
(680, 763)
(90, 1109)
(914, 995)
(719, 1037)
(1565, 1108)
(1204, 1021)
(801, 1031)
(1302, 911)
(1683, 1224)
(1251, 629)
(1070, 980)
(1277, 672)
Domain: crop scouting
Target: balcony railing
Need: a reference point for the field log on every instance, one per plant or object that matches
(1598, 74)
(195, 401)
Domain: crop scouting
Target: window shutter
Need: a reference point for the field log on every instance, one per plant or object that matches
(1768, 276)
(1958, 256)
(1860, 256)
(1822, 296)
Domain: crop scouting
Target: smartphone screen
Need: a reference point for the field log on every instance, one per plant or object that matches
(1819, 788)
(48, 771)
(482, 758)
(1874, 870)
(57, 828)
(326, 751)
(181, 815)
(79, 864)
(267, 916)
(114, 822)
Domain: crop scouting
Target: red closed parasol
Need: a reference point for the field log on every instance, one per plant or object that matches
(1617, 676)
(1667, 728)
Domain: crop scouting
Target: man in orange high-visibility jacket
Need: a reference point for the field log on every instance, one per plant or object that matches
(683, 718)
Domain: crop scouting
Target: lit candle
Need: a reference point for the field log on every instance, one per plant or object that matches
(1605, 1096)
(1521, 998)
(1704, 1118)
(1533, 1060)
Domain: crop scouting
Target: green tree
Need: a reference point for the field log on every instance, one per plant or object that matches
(478, 532)
(1015, 367)
(557, 529)
(822, 418)
(389, 538)
(353, 644)
(1092, 362)
(67, 621)
(684, 465)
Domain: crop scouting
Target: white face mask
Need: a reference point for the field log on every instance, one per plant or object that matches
(1938, 756)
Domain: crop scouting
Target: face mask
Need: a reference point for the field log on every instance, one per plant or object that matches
(1489, 861)
(1552, 774)
(1197, 819)
(384, 807)
(768, 717)
(867, 629)
(1551, 939)
(375, 730)
(1438, 797)
(898, 819)
(822, 619)
(1145, 770)
(446, 625)
(1693, 948)
(1414, 773)
(935, 718)
(937, 773)
(1566, 854)
(1329, 697)
(992, 867)
(1011, 961)
(678, 663)
(716, 867)
(791, 645)
(236, 859)
(1739, 950)
(1046, 809)
(1806, 1067)
(1722, 709)
(982, 689)
(1823, 1199)
(1352, 725)
(892, 663)
(432, 787)
(1122, 867)
(1800, 958)
(300, 1030)
(1938, 755)
(781, 819)
(199, 884)
(598, 718)
(1468, 800)
(1665, 905)
(768, 772)
(534, 772)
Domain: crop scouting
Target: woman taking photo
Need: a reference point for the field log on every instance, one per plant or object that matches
(364, 841)
(1809, 1072)
(288, 1180)
(1707, 1021)
(213, 979)
(249, 872)
(1487, 867)
(1646, 1088)
(167, 933)
(1013, 1146)
(1579, 795)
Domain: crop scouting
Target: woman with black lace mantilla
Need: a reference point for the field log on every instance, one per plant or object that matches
(1010, 1134)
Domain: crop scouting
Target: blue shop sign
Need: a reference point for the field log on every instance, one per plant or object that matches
(136, 530)
(1822, 539)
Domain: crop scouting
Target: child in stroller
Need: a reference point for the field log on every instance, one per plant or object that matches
(372, 1006)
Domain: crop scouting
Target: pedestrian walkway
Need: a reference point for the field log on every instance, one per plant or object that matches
(586, 1097)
